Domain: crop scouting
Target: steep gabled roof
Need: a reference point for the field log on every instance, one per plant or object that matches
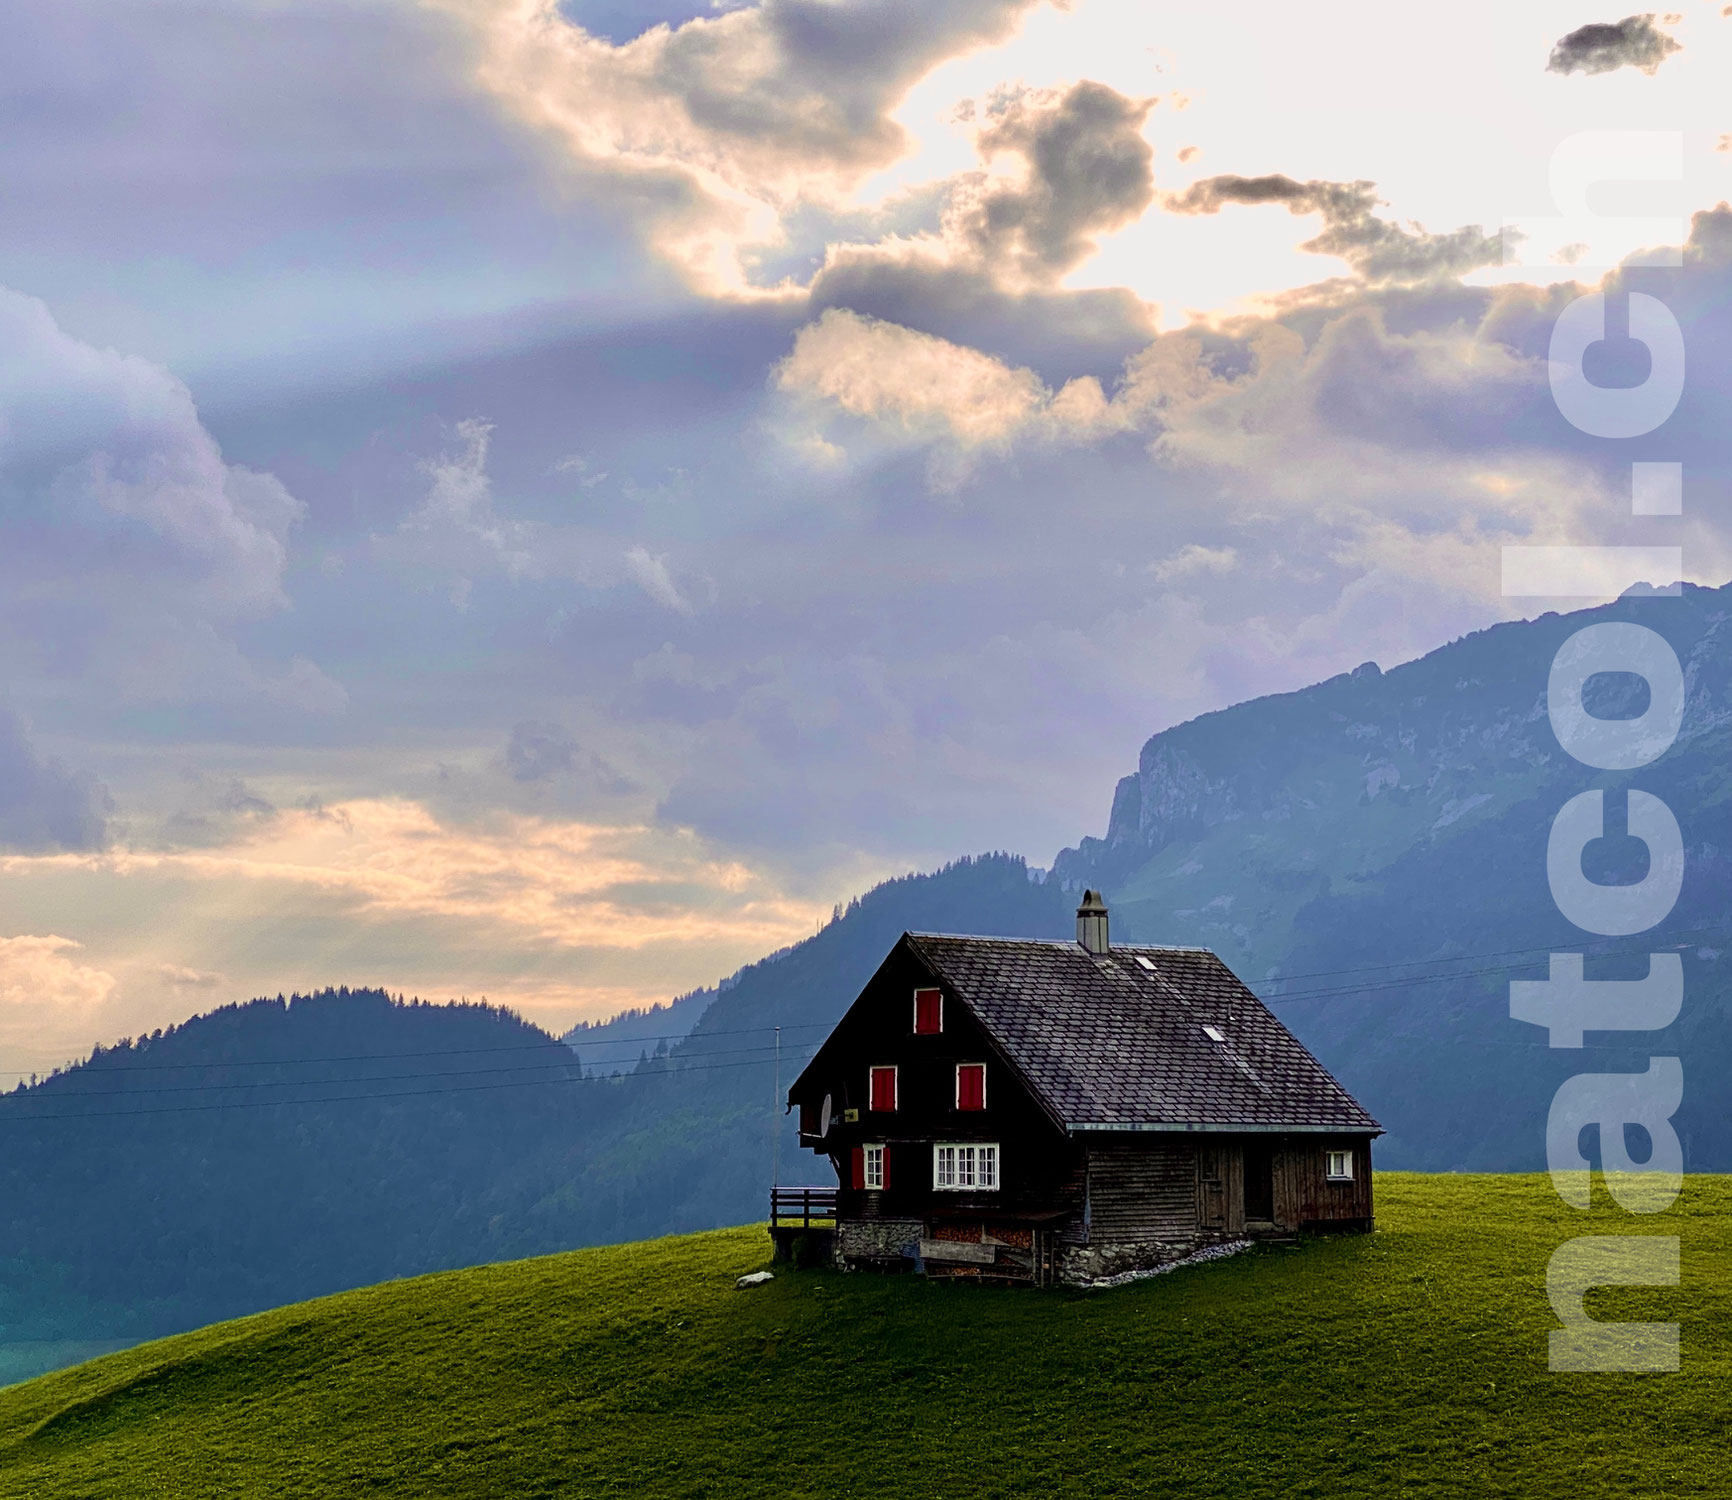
(1119, 1041)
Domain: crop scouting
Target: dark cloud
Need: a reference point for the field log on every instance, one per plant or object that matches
(1634, 42)
(542, 751)
(43, 805)
(537, 751)
(1088, 172)
(1379, 250)
(1060, 333)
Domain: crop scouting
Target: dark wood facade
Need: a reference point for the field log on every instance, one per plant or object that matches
(1069, 1202)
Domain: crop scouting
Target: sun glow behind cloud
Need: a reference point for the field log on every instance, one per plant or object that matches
(562, 920)
(1453, 123)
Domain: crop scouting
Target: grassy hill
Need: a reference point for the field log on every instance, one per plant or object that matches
(1409, 1363)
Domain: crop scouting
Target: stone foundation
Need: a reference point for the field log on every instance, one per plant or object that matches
(1077, 1263)
(874, 1240)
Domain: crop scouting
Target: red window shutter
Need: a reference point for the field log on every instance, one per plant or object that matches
(886, 1168)
(971, 1085)
(928, 1012)
(808, 1119)
(857, 1159)
(883, 1088)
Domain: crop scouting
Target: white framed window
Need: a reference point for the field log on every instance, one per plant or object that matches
(1338, 1166)
(965, 1166)
(873, 1176)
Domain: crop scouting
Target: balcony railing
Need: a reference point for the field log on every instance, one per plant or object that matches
(802, 1207)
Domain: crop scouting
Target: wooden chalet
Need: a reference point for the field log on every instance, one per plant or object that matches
(1053, 1111)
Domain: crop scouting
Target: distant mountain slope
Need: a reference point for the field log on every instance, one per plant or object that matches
(1383, 829)
(1410, 1362)
(618, 1044)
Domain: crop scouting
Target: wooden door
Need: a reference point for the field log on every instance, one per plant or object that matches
(1259, 1182)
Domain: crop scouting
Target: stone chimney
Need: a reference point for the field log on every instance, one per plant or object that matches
(1091, 923)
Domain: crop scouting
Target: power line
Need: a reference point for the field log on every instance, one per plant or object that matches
(293, 1083)
(9, 1118)
(1408, 981)
(1587, 944)
(281, 1062)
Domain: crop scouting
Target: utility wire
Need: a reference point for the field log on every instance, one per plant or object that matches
(301, 1083)
(280, 1062)
(1408, 981)
(7, 1117)
(1331, 992)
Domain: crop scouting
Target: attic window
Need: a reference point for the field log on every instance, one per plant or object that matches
(971, 1085)
(882, 1093)
(1144, 961)
(928, 1012)
(1338, 1166)
(1213, 1033)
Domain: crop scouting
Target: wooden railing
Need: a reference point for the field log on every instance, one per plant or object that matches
(802, 1206)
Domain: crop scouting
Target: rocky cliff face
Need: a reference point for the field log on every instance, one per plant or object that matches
(1352, 772)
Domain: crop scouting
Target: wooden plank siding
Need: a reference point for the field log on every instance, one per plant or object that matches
(1305, 1198)
(1141, 1189)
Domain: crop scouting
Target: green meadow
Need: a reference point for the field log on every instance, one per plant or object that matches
(1411, 1362)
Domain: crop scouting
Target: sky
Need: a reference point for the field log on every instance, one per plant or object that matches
(537, 501)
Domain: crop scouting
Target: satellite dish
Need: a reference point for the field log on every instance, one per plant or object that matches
(824, 1118)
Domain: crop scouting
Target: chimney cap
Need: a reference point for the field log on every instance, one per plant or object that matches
(1091, 923)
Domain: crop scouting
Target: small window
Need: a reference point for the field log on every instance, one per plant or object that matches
(883, 1090)
(965, 1167)
(872, 1177)
(971, 1085)
(1214, 1033)
(928, 1012)
(1339, 1166)
(1144, 961)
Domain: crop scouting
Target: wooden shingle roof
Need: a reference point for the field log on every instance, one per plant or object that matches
(1127, 1039)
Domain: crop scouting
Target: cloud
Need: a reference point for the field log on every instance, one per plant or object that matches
(106, 454)
(456, 530)
(722, 127)
(42, 804)
(1195, 560)
(557, 918)
(930, 390)
(1379, 251)
(1085, 170)
(651, 575)
(537, 751)
(38, 982)
(1634, 42)
(135, 552)
(182, 977)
